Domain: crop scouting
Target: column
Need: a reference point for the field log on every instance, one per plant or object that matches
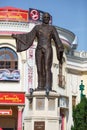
(19, 124)
(62, 126)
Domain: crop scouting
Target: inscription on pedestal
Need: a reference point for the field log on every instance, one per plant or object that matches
(40, 103)
(39, 125)
(51, 104)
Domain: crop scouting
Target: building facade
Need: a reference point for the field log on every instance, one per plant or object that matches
(18, 73)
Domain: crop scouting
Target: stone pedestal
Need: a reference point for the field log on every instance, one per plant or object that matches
(42, 111)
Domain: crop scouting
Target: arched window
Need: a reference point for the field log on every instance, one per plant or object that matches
(8, 59)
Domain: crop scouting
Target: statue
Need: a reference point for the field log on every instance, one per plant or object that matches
(43, 54)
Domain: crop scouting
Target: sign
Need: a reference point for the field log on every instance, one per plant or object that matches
(36, 15)
(14, 15)
(5, 112)
(39, 125)
(12, 98)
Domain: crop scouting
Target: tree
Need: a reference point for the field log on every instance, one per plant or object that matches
(80, 115)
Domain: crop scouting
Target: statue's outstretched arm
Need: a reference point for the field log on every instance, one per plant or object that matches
(24, 41)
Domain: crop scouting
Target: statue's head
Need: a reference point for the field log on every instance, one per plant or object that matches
(46, 18)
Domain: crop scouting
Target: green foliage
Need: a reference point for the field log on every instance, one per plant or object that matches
(80, 115)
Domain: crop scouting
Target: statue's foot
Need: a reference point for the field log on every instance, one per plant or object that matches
(48, 88)
(39, 88)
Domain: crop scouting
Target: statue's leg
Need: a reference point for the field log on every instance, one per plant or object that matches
(48, 65)
(43, 73)
(39, 57)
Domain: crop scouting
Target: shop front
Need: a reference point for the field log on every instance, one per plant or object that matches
(11, 108)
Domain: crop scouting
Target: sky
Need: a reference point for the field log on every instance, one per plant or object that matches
(67, 14)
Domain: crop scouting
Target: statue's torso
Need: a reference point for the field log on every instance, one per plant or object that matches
(44, 35)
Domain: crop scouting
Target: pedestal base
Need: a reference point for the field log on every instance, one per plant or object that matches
(42, 112)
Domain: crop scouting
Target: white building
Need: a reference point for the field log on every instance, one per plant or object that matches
(18, 73)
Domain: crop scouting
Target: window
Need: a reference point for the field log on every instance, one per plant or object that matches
(61, 81)
(8, 59)
(73, 101)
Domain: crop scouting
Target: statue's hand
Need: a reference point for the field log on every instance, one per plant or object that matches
(14, 36)
(60, 55)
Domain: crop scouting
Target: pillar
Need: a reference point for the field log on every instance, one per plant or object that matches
(19, 124)
(62, 126)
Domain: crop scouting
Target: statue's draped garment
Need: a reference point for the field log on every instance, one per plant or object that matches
(24, 41)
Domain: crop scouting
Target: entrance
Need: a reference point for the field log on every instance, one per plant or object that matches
(9, 122)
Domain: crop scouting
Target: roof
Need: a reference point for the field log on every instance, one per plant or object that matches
(10, 8)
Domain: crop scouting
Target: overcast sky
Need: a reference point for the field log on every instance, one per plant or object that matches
(68, 14)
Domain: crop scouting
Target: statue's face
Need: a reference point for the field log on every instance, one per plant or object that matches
(46, 18)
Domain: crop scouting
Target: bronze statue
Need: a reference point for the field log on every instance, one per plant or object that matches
(44, 54)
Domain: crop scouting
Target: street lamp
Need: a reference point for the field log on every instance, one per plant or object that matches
(82, 88)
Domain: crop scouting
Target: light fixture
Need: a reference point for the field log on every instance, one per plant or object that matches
(47, 92)
(31, 91)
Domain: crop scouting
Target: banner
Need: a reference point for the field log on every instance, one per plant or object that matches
(36, 15)
(12, 98)
(14, 16)
(31, 64)
(5, 112)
